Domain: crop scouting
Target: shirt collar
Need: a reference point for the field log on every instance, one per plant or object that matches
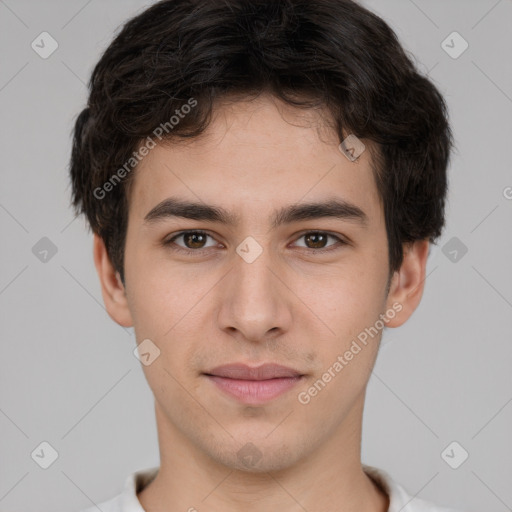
(399, 499)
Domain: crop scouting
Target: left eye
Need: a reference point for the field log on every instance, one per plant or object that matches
(318, 239)
(194, 240)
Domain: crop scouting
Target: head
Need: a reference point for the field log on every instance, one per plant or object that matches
(240, 106)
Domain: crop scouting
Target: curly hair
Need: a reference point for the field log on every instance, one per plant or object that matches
(332, 54)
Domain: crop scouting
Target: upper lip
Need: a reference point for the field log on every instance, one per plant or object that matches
(243, 372)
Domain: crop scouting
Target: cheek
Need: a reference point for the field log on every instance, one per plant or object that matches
(159, 293)
(167, 307)
(350, 302)
(350, 306)
(350, 298)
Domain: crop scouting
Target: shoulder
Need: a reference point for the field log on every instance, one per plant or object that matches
(399, 499)
(127, 500)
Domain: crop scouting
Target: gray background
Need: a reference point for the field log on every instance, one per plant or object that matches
(68, 374)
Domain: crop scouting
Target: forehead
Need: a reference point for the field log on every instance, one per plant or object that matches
(256, 156)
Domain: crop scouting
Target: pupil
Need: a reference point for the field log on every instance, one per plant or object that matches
(317, 236)
(193, 236)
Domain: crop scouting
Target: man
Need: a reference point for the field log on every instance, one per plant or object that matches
(263, 179)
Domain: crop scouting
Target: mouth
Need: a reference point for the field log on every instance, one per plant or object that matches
(254, 385)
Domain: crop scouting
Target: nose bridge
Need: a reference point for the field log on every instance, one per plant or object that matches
(251, 270)
(253, 301)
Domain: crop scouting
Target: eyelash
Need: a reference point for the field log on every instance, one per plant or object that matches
(170, 242)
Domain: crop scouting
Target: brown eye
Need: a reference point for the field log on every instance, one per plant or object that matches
(316, 240)
(194, 240)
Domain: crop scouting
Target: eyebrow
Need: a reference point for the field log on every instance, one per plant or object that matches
(334, 208)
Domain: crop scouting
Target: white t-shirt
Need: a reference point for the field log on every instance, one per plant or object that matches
(400, 500)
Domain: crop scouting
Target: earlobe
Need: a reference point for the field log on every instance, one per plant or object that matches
(112, 289)
(408, 282)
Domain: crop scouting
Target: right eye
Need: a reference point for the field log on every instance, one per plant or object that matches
(193, 241)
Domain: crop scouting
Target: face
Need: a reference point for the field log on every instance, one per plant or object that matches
(273, 280)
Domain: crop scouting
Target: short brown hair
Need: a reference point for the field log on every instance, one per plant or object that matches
(330, 53)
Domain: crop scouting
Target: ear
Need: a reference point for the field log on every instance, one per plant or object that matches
(407, 284)
(112, 289)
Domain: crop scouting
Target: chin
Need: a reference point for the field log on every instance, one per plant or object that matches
(256, 456)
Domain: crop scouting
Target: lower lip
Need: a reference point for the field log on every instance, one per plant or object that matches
(254, 391)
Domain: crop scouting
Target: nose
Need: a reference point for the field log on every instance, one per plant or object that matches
(255, 303)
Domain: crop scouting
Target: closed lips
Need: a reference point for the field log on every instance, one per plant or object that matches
(264, 372)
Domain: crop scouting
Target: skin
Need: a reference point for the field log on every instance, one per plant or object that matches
(294, 305)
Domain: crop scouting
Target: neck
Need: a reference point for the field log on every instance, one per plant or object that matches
(330, 477)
